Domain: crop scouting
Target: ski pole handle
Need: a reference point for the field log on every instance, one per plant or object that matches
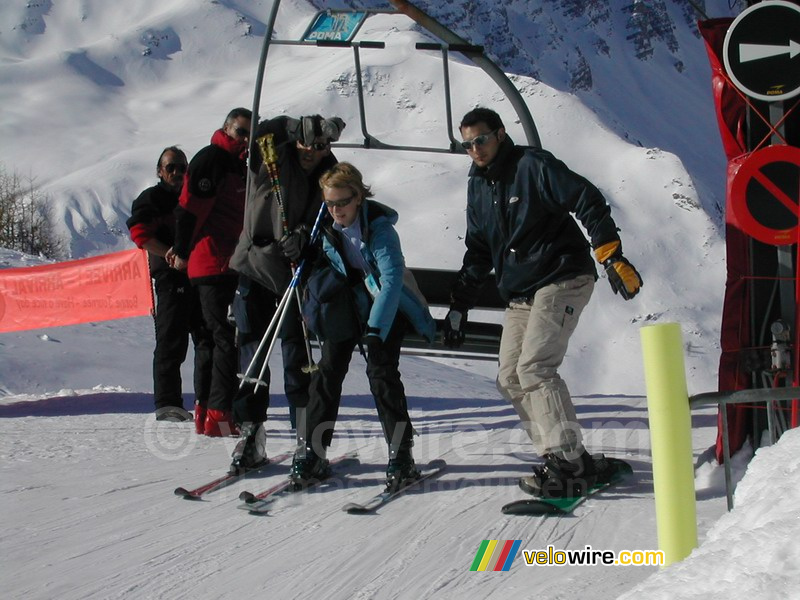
(266, 144)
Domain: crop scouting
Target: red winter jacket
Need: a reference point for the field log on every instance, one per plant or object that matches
(212, 200)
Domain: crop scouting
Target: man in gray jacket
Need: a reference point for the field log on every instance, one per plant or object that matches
(520, 203)
(272, 241)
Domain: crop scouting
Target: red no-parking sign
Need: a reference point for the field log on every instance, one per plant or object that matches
(765, 195)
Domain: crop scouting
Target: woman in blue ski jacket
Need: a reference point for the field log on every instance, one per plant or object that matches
(378, 299)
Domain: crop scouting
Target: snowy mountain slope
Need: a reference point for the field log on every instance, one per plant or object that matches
(640, 66)
(92, 145)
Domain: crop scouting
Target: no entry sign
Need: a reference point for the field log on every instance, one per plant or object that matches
(765, 195)
(762, 51)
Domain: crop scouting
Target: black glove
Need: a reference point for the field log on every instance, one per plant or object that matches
(622, 275)
(454, 322)
(314, 127)
(293, 244)
(375, 350)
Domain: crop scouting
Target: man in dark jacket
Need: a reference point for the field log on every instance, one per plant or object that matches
(275, 233)
(209, 222)
(519, 223)
(177, 314)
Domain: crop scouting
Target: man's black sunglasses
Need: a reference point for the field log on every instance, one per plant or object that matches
(242, 132)
(478, 140)
(171, 168)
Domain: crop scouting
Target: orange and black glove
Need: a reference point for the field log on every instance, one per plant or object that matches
(622, 275)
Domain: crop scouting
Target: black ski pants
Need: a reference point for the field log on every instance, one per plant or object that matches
(387, 390)
(254, 307)
(177, 317)
(215, 298)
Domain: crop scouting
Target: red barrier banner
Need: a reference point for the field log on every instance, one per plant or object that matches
(101, 288)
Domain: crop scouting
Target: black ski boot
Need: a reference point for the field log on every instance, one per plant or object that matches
(561, 478)
(606, 468)
(401, 469)
(172, 413)
(308, 466)
(251, 451)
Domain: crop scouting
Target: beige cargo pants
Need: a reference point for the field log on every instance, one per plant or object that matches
(534, 341)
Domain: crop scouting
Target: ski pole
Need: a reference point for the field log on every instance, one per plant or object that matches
(277, 318)
(311, 366)
(281, 306)
(266, 144)
(287, 298)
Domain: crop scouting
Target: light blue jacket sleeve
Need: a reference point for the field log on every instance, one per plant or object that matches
(387, 257)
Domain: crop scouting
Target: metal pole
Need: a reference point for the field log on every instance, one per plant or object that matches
(448, 108)
(362, 113)
(726, 457)
(262, 61)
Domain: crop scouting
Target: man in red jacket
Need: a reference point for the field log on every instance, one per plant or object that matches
(177, 314)
(208, 226)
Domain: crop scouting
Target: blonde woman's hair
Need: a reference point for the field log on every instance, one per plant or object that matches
(345, 175)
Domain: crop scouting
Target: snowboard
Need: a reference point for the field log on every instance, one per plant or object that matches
(564, 506)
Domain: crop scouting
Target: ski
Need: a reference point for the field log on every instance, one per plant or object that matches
(375, 502)
(564, 506)
(262, 502)
(227, 479)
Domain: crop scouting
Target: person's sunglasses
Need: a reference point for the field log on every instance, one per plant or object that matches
(242, 132)
(317, 146)
(171, 168)
(478, 140)
(340, 203)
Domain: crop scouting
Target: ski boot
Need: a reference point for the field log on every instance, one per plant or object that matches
(219, 423)
(308, 466)
(606, 468)
(401, 469)
(250, 453)
(561, 478)
(173, 413)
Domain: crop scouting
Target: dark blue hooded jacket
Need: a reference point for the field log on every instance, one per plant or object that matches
(520, 223)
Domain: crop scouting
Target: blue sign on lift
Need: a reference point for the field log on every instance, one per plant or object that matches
(334, 26)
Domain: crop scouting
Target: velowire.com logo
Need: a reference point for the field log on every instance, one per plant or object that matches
(495, 555)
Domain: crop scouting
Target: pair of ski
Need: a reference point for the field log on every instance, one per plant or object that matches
(228, 479)
(261, 503)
